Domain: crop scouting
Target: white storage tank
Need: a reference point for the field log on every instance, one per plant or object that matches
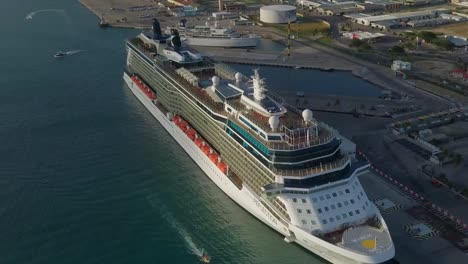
(278, 14)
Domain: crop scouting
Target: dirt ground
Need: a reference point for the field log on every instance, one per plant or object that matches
(438, 68)
(458, 29)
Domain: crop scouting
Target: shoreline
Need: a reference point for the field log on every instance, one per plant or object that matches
(304, 55)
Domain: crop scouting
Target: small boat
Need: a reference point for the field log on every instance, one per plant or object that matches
(60, 54)
(205, 258)
(103, 23)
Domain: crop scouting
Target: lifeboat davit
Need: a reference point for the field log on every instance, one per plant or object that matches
(222, 166)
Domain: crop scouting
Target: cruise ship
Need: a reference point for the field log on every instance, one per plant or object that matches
(297, 175)
(215, 36)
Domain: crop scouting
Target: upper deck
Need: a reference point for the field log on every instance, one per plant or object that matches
(292, 133)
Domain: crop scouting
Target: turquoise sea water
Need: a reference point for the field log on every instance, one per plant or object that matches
(86, 174)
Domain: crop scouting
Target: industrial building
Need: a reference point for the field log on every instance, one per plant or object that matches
(278, 14)
(396, 19)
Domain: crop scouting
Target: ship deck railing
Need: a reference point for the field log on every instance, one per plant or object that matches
(325, 136)
(289, 121)
(338, 164)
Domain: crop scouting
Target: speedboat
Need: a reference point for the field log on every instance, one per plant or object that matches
(205, 258)
(60, 55)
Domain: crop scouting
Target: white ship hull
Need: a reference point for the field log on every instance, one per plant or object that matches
(247, 199)
(223, 42)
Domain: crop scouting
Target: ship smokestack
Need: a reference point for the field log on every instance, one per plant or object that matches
(157, 34)
(175, 40)
(221, 5)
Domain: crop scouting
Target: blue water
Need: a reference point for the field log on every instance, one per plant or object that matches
(86, 174)
(270, 45)
(284, 80)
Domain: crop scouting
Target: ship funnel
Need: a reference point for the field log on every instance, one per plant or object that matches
(175, 40)
(157, 34)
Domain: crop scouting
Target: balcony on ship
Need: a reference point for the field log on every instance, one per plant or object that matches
(304, 181)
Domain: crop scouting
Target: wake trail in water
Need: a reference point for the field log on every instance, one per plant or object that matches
(71, 52)
(183, 233)
(59, 11)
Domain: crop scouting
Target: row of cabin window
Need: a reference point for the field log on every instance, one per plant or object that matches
(332, 219)
(333, 207)
(314, 199)
(322, 198)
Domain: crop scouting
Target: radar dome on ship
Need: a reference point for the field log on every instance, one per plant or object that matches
(215, 80)
(238, 76)
(307, 115)
(274, 122)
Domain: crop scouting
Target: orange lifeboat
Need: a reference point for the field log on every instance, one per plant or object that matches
(183, 125)
(176, 119)
(214, 157)
(222, 166)
(191, 133)
(206, 149)
(199, 142)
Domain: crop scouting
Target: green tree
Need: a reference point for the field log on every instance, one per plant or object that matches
(443, 43)
(428, 36)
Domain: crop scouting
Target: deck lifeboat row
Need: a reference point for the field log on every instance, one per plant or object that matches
(143, 87)
(194, 136)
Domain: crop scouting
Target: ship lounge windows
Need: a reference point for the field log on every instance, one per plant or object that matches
(308, 211)
(294, 200)
(304, 222)
(274, 138)
(299, 211)
(347, 190)
(303, 200)
(313, 222)
(319, 210)
(324, 221)
(319, 180)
